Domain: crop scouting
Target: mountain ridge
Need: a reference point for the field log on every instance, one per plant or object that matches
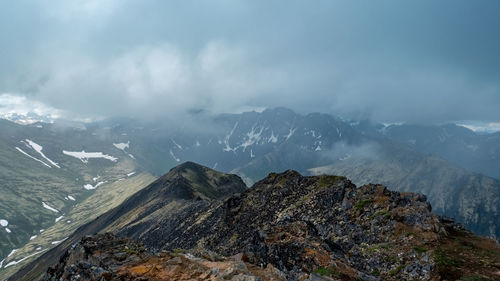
(304, 227)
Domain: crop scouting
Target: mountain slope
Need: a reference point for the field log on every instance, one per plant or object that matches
(102, 200)
(296, 227)
(45, 176)
(456, 144)
(470, 198)
(179, 190)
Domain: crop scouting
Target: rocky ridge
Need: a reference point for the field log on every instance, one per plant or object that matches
(289, 227)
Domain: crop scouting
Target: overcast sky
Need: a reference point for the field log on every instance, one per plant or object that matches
(417, 61)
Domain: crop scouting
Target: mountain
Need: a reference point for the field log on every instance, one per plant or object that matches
(47, 193)
(198, 223)
(181, 189)
(468, 197)
(250, 144)
(456, 144)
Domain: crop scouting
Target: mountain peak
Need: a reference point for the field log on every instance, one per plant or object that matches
(202, 182)
(187, 166)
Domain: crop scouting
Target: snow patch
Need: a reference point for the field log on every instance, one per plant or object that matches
(251, 153)
(252, 137)
(38, 148)
(71, 198)
(130, 174)
(122, 145)
(49, 208)
(21, 260)
(57, 242)
(8, 230)
(59, 218)
(173, 156)
(227, 137)
(290, 133)
(96, 178)
(4, 223)
(33, 237)
(176, 144)
(91, 187)
(85, 156)
(12, 252)
(34, 158)
(273, 138)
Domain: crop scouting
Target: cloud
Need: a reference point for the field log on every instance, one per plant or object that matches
(390, 60)
(342, 151)
(158, 80)
(15, 104)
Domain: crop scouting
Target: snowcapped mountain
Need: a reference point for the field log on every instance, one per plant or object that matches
(23, 110)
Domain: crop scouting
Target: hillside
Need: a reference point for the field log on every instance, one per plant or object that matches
(47, 194)
(295, 227)
(452, 191)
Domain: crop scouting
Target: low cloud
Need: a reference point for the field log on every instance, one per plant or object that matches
(342, 151)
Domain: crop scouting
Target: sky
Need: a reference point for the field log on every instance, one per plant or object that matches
(391, 61)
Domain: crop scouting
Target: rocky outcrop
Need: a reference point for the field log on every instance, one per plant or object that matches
(107, 257)
(290, 227)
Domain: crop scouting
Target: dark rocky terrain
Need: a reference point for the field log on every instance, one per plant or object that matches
(195, 223)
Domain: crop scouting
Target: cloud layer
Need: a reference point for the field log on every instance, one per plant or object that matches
(425, 61)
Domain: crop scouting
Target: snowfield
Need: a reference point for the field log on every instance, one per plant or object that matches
(85, 156)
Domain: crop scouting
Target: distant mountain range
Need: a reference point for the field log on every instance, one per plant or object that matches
(44, 165)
